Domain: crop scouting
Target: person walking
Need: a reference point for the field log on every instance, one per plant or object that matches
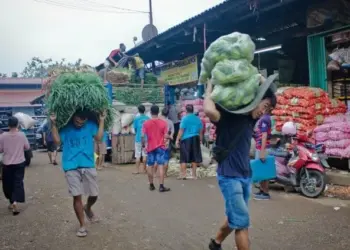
(171, 131)
(234, 132)
(12, 145)
(190, 135)
(262, 139)
(49, 143)
(156, 132)
(77, 139)
(139, 150)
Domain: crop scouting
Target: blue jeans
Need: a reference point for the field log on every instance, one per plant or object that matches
(156, 156)
(236, 193)
(140, 73)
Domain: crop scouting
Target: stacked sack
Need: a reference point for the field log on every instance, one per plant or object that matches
(227, 62)
(305, 106)
(334, 134)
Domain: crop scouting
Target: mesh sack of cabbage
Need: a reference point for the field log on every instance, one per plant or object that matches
(236, 95)
(79, 91)
(234, 46)
(229, 72)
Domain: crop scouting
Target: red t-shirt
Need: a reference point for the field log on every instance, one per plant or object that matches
(155, 131)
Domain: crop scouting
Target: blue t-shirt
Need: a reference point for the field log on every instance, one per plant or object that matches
(105, 137)
(237, 164)
(138, 123)
(192, 126)
(78, 146)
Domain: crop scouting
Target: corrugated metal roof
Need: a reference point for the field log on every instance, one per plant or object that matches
(183, 23)
(10, 98)
(15, 80)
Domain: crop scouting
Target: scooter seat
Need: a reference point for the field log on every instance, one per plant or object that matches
(278, 153)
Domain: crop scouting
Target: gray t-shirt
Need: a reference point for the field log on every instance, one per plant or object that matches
(173, 114)
(171, 128)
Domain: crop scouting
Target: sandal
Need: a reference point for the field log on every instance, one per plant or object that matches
(82, 232)
(181, 178)
(90, 215)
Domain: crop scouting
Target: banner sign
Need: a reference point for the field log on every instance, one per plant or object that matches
(180, 72)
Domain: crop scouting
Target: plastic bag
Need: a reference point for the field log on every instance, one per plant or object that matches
(233, 46)
(232, 71)
(117, 124)
(25, 121)
(236, 95)
(304, 92)
(344, 143)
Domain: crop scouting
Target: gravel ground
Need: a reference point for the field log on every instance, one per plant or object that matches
(132, 217)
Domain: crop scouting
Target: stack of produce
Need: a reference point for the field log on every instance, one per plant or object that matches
(227, 62)
(335, 135)
(79, 91)
(209, 128)
(135, 96)
(118, 76)
(305, 106)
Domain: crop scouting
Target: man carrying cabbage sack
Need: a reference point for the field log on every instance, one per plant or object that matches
(78, 163)
(234, 130)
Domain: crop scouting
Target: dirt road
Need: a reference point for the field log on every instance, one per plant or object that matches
(184, 219)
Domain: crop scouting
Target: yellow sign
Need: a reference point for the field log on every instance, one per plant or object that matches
(180, 72)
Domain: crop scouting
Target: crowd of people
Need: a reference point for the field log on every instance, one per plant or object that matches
(81, 137)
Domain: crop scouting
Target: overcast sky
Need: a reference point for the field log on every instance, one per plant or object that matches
(31, 28)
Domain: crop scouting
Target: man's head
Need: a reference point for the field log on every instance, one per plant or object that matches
(154, 110)
(80, 118)
(13, 122)
(189, 108)
(122, 47)
(165, 112)
(141, 109)
(267, 103)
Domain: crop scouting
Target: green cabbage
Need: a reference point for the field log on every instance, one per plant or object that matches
(234, 46)
(234, 96)
(232, 71)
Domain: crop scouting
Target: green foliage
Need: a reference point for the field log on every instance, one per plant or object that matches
(136, 96)
(78, 91)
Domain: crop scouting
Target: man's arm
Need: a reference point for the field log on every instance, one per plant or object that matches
(26, 142)
(101, 127)
(209, 106)
(143, 133)
(55, 135)
(111, 57)
(44, 138)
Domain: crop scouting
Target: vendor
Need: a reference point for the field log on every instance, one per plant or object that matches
(113, 58)
(136, 63)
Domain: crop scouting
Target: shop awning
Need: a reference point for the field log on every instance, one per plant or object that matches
(23, 98)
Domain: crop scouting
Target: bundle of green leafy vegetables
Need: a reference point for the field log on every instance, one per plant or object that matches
(136, 96)
(74, 91)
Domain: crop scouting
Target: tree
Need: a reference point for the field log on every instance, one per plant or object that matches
(38, 68)
(3, 75)
(14, 74)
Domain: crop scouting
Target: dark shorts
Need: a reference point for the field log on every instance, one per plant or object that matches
(190, 150)
(51, 146)
(156, 156)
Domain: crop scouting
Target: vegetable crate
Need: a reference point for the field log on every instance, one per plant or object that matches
(123, 149)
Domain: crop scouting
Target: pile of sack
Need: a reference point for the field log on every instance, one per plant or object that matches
(123, 124)
(334, 134)
(25, 121)
(306, 106)
(227, 62)
(118, 76)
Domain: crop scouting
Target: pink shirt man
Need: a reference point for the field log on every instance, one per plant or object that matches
(13, 144)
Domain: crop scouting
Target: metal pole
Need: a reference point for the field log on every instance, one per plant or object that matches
(150, 12)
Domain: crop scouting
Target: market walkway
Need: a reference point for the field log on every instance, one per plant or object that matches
(184, 219)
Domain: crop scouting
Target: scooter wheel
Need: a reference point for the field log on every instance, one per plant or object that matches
(313, 187)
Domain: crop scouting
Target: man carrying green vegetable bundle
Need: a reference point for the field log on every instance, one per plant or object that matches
(77, 139)
(234, 131)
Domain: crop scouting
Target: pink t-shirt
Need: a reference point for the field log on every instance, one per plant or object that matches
(13, 144)
(155, 131)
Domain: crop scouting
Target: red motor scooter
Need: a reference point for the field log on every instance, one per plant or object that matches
(301, 167)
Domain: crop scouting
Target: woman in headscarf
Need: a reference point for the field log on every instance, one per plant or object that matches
(13, 144)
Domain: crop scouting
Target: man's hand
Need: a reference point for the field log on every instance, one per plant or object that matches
(53, 118)
(103, 116)
(262, 155)
(177, 144)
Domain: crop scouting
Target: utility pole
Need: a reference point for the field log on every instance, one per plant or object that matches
(150, 12)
